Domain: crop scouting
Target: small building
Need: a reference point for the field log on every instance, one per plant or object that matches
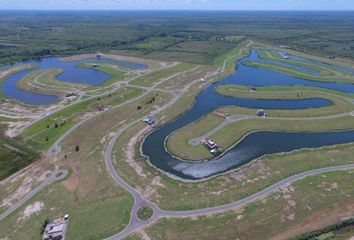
(56, 230)
(101, 107)
(149, 120)
(71, 94)
(210, 144)
(261, 113)
(220, 114)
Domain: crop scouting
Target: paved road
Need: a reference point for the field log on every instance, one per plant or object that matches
(239, 117)
(54, 178)
(229, 120)
(136, 224)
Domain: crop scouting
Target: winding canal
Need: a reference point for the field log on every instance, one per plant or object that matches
(253, 145)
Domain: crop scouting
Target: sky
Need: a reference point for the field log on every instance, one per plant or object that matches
(178, 4)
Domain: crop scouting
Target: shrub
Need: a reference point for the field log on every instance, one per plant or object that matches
(145, 212)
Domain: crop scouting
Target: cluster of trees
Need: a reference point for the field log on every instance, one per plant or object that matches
(32, 35)
(335, 227)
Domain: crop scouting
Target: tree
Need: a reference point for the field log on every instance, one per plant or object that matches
(45, 223)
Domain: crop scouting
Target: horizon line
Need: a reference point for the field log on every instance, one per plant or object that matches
(201, 10)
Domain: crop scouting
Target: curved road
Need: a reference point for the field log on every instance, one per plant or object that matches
(136, 224)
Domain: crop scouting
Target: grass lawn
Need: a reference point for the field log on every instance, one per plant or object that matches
(45, 132)
(88, 220)
(180, 81)
(304, 205)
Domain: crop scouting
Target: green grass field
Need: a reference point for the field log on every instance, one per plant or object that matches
(14, 157)
(151, 78)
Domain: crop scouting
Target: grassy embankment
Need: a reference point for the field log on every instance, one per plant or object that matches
(7, 72)
(299, 73)
(43, 81)
(324, 69)
(292, 120)
(344, 62)
(340, 103)
(305, 205)
(45, 132)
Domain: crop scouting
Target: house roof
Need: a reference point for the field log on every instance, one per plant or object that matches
(53, 228)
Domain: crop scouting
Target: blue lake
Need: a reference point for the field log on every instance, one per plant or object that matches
(70, 73)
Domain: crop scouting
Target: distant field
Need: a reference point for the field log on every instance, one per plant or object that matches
(184, 36)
